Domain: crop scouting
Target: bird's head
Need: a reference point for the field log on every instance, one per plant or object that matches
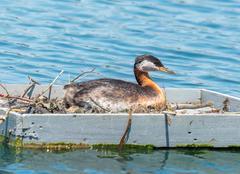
(146, 63)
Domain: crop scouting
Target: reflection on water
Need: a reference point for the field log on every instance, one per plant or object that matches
(199, 41)
(101, 162)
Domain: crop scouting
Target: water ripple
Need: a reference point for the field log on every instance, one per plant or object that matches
(200, 41)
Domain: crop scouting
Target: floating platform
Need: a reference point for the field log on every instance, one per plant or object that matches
(158, 130)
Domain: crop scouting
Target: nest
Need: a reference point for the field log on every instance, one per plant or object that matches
(40, 104)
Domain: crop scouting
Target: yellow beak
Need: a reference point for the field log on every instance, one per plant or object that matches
(164, 69)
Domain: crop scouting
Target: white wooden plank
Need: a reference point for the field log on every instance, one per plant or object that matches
(12, 125)
(215, 130)
(218, 131)
(183, 95)
(218, 100)
(90, 129)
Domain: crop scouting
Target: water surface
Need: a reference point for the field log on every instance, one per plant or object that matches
(109, 162)
(199, 41)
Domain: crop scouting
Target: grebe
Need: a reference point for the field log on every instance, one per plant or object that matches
(118, 95)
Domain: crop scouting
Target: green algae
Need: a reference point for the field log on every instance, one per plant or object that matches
(61, 146)
(113, 147)
(71, 146)
(234, 147)
(16, 143)
(126, 146)
(12, 142)
(2, 139)
(194, 146)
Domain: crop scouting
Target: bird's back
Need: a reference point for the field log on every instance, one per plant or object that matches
(112, 94)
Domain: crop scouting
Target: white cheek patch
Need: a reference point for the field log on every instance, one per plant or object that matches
(147, 66)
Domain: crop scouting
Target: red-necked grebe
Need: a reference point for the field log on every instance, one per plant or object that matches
(118, 95)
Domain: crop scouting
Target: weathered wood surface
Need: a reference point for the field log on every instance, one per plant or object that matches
(158, 130)
(218, 130)
(219, 100)
(11, 124)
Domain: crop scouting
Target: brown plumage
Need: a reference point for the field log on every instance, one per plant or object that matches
(117, 95)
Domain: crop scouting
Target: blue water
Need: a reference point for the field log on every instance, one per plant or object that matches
(199, 40)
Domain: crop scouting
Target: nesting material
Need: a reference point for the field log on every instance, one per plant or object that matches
(40, 104)
(191, 108)
(43, 105)
(203, 110)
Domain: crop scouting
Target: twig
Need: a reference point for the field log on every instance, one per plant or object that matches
(225, 105)
(50, 85)
(34, 82)
(86, 72)
(190, 106)
(5, 89)
(27, 89)
(125, 136)
(19, 98)
(99, 105)
(49, 93)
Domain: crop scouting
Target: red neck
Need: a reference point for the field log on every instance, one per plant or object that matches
(144, 80)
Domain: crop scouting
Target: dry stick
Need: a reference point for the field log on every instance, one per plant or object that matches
(225, 105)
(49, 93)
(27, 89)
(127, 131)
(31, 87)
(1, 85)
(50, 85)
(5, 89)
(19, 98)
(190, 106)
(86, 72)
(34, 82)
(12, 97)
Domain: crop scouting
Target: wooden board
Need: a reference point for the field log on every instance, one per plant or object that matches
(217, 130)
